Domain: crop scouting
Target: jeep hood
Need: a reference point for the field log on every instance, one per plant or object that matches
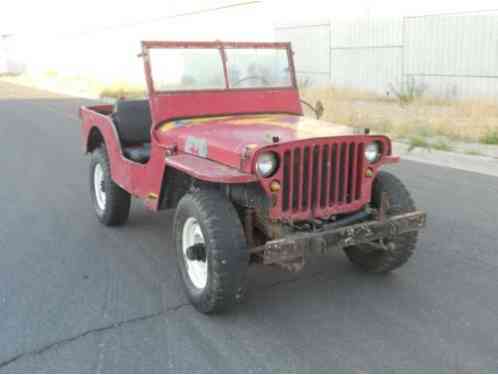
(224, 138)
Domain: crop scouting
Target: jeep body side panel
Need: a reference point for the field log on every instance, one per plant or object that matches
(141, 180)
(145, 180)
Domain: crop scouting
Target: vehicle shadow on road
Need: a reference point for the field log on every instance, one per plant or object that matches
(323, 281)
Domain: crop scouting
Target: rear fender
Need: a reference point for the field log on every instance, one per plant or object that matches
(98, 128)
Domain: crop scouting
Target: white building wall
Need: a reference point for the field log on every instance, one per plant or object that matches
(451, 55)
(366, 53)
(311, 43)
(372, 69)
(367, 32)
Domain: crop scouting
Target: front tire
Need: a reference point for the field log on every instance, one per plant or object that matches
(111, 202)
(211, 249)
(400, 248)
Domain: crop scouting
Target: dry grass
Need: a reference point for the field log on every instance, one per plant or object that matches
(424, 117)
(52, 80)
(442, 145)
(417, 141)
(473, 153)
(122, 89)
(464, 120)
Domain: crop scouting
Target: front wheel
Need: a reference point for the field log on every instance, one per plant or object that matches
(211, 250)
(391, 253)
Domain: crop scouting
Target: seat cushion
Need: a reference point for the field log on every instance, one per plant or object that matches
(140, 154)
(133, 121)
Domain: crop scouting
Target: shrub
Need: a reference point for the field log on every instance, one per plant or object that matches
(473, 152)
(442, 145)
(418, 141)
(408, 91)
(490, 137)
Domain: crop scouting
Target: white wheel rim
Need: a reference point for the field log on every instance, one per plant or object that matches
(197, 270)
(98, 186)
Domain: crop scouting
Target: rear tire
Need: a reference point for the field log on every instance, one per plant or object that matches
(111, 202)
(373, 259)
(213, 282)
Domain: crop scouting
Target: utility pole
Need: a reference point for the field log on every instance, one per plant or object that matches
(4, 41)
(4, 53)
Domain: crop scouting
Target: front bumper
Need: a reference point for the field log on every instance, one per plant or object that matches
(289, 252)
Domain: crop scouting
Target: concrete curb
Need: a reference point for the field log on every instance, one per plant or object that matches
(477, 164)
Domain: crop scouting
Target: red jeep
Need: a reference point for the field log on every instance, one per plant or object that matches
(222, 139)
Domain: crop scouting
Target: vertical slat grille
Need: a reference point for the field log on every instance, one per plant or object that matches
(342, 172)
(351, 173)
(315, 169)
(325, 176)
(334, 175)
(286, 188)
(317, 177)
(305, 171)
(297, 185)
(359, 168)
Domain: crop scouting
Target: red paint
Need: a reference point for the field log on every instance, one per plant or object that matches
(208, 170)
(228, 136)
(234, 142)
(336, 204)
(167, 106)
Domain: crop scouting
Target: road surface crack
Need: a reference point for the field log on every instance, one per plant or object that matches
(142, 318)
(68, 340)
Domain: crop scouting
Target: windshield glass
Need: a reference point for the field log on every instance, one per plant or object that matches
(181, 69)
(254, 67)
(187, 69)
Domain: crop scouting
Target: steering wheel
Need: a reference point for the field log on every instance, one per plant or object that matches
(262, 79)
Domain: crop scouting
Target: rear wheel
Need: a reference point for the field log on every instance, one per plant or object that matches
(111, 202)
(211, 250)
(390, 253)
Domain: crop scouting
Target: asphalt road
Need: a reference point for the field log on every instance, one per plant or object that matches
(77, 296)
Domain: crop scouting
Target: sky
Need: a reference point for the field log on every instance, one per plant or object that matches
(35, 16)
(102, 38)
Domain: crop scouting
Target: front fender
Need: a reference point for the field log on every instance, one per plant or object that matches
(208, 170)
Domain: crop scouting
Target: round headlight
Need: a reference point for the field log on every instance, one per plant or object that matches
(372, 152)
(267, 164)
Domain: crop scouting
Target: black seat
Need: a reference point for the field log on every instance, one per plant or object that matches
(140, 154)
(133, 121)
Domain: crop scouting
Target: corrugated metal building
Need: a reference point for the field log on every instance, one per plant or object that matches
(449, 55)
(310, 42)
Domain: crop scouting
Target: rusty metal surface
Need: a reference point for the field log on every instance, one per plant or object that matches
(374, 230)
(292, 248)
(284, 253)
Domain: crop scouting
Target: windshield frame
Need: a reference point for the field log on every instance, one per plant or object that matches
(221, 47)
